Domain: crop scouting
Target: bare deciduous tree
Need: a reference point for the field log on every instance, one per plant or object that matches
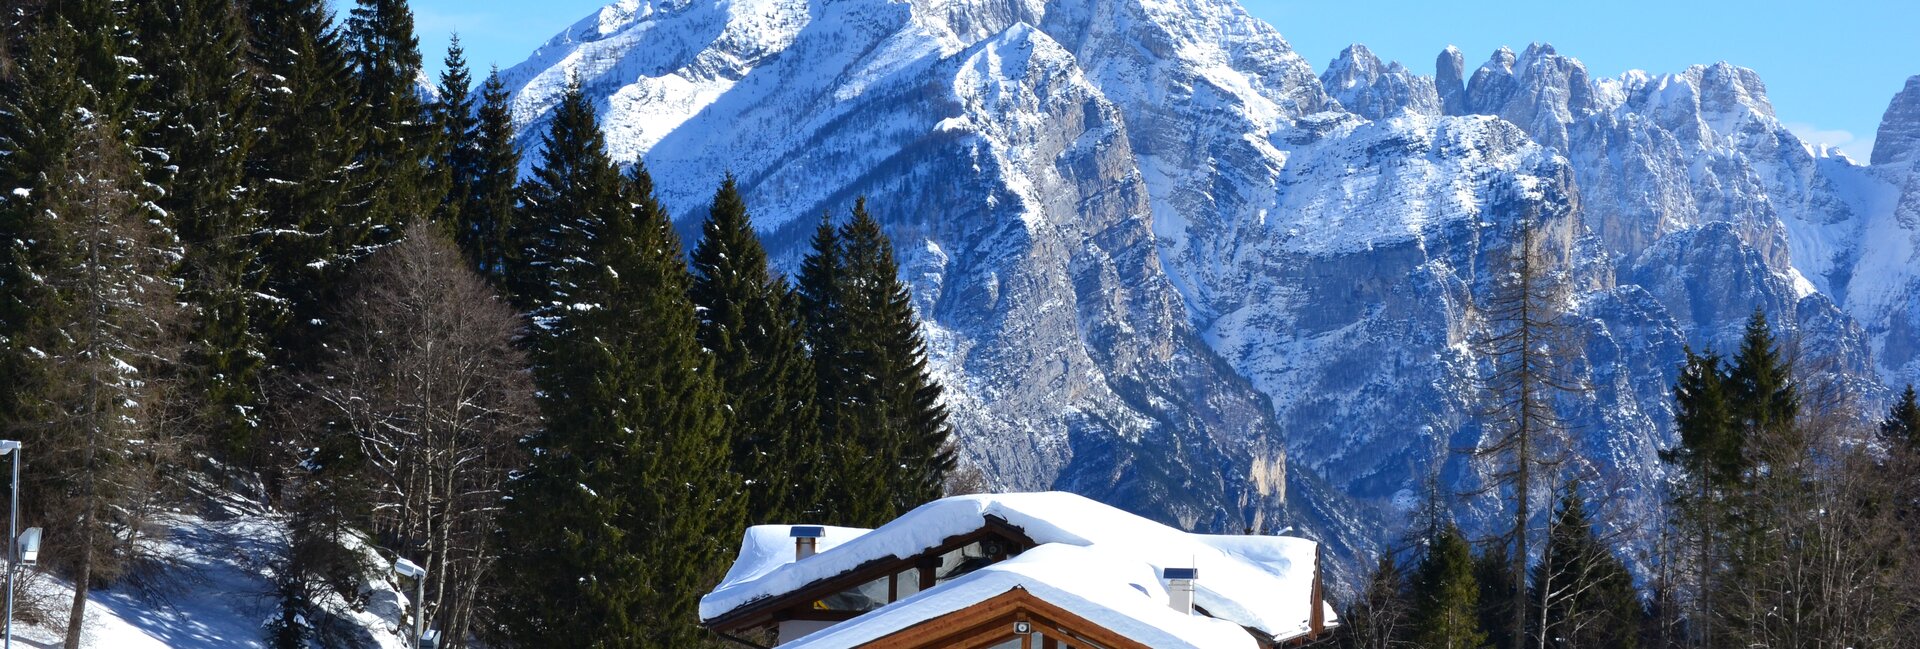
(426, 393)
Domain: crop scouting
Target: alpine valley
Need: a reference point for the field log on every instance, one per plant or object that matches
(1162, 263)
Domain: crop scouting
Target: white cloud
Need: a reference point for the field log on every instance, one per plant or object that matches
(1856, 147)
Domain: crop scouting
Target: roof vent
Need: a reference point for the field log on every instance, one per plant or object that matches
(1180, 588)
(806, 539)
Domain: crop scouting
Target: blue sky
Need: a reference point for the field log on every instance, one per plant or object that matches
(1830, 65)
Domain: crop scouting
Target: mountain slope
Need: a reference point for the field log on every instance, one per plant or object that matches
(1165, 264)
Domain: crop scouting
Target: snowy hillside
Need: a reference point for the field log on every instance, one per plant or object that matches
(1165, 264)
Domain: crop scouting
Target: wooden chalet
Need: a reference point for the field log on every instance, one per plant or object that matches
(1027, 571)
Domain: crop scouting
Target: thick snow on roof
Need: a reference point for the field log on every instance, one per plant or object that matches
(766, 547)
(1262, 582)
(1119, 593)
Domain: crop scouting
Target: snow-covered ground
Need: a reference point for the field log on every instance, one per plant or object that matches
(208, 586)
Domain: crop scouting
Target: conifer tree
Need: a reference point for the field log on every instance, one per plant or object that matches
(748, 321)
(1378, 618)
(398, 155)
(629, 502)
(1446, 596)
(486, 218)
(1711, 457)
(302, 175)
(1586, 595)
(457, 158)
(1497, 596)
(891, 390)
(1760, 390)
(1901, 428)
(197, 131)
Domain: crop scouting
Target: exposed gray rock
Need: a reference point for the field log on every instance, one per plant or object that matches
(1898, 139)
(1373, 90)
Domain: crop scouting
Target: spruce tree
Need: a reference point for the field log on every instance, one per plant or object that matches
(1497, 595)
(890, 392)
(1760, 389)
(1712, 459)
(749, 322)
(458, 153)
(398, 155)
(1446, 597)
(303, 175)
(629, 502)
(197, 132)
(1587, 596)
(486, 218)
(1901, 428)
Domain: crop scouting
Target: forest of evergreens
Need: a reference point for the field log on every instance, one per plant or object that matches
(243, 244)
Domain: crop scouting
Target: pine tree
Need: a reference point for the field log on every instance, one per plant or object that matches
(1497, 596)
(1446, 596)
(197, 131)
(486, 218)
(458, 155)
(629, 501)
(1901, 428)
(1586, 595)
(398, 155)
(748, 321)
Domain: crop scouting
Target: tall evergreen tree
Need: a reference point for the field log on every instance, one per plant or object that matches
(486, 219)
(629, 502)
(398, 155)
(890, 392)
(1712, 459)
(1586, 595)
(457, 134)
(748, 321)
(1760, 390)
(1497, 595)
(1446, 596)
(303, 175)
(197, 131)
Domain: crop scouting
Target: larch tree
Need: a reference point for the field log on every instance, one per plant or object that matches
(1528, 342)
(749, 322)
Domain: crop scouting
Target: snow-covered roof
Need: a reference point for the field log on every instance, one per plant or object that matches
(766, 547)
(1260, 582)
(1116, 592)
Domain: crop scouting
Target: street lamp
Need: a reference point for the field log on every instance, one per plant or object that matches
(410, 569)
(12, 447)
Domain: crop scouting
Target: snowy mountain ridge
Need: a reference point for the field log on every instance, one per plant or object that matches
(1163, 263)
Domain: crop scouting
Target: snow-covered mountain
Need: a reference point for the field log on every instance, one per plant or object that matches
(1165, 264)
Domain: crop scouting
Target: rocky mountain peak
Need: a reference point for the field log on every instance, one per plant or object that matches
(1899, 137)
(1449, 78)
(1365, 86)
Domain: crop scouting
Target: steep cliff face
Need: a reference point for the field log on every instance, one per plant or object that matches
(1163, 263)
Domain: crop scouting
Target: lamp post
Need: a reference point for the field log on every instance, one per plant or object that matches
(12, 447)
(410, 569)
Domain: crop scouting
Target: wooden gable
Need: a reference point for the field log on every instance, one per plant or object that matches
(1012, 620)
(1000, 539)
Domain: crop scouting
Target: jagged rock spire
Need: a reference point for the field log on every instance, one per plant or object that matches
(1899, 137)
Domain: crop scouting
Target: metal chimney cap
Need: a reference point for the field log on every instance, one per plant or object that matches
(808, 531)
(1180, 573)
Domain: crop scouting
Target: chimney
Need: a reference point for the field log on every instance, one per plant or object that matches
(1180, 588)
(806, 539)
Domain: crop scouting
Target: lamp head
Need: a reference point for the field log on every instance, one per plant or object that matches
(409, 569)
(9, 446)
